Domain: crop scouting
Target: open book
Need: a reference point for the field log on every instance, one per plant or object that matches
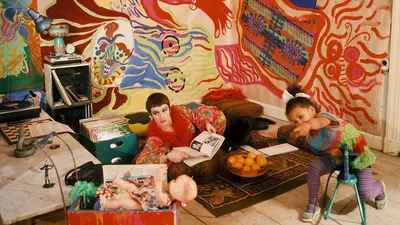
(202, 148)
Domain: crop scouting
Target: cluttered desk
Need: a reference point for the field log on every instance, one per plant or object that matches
(23, 190)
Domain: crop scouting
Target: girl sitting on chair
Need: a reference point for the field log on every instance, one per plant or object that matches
(327, 134)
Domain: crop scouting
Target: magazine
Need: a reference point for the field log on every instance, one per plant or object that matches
(43, 129)
(202, 148)
(270, 149)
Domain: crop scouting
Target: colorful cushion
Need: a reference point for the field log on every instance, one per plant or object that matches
(138, 122)
(286, 134)
(238, 107)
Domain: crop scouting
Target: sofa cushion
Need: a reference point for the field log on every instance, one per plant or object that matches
(238, 107)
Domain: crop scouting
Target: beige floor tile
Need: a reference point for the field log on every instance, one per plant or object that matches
(188, 219)
(251, 216)
(197, 209)
(223, 220)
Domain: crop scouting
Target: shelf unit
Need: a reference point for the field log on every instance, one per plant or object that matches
(77, 78)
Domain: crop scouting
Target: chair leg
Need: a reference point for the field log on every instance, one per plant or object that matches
(326, 214)
(361, 206)
(326, 193)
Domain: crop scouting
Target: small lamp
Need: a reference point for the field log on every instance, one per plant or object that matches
(41, 22)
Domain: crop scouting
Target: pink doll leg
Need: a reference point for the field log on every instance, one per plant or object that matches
(121, 203)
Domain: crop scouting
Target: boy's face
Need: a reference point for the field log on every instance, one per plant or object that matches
(299, 114)
(161, 115)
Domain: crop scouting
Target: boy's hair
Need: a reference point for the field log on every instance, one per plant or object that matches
(298, 101)
(156, 99)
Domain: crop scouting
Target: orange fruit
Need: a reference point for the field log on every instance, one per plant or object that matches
(246, 169)
(251, 155)
(249, 161)
(261, 160)
(255, 167)
(232, 160)
(238, 165)
(240, 159)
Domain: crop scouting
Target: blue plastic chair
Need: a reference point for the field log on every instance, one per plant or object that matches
(346, 177)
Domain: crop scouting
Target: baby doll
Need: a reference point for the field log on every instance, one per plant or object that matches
(151, 194)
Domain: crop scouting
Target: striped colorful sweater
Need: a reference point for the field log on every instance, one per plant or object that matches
(337, 134)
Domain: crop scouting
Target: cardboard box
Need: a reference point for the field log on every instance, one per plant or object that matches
(110, 217)
(120, 150)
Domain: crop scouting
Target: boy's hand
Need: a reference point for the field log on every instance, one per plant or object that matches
(177, 156)
(334, 152)
(210, 128)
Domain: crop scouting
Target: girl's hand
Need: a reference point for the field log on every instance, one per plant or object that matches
(334, 152)
(302, 130)
(210, 128)
(177, 156)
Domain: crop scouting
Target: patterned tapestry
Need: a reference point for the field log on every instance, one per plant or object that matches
(20, 64)
(186, 48)
(333, 49)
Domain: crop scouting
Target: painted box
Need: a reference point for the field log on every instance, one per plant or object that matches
(110, 217)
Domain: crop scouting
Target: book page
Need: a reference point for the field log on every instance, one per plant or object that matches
(278, 149)
(43, 129)
(192, 153)
(207, 143)
(193, 161)
(204, 147)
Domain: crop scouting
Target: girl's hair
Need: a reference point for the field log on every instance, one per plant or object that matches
(156, 99)
(298, 101)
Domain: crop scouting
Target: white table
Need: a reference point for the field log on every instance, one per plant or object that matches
(22, 195)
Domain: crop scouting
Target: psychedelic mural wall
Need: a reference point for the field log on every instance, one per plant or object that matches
(139, 47)
(20, 64)
(332, 48)
(185, 48)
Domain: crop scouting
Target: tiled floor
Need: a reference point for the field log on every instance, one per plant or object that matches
(287, 208)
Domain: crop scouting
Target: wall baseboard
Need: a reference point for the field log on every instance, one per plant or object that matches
(375, 142)
(391, 147)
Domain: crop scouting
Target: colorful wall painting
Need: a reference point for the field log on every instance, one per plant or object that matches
(186, 48)
(20, 64)
(138, 47)
(337, 59)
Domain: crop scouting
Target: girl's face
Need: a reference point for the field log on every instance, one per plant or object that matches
(299, 114)
(161, 115)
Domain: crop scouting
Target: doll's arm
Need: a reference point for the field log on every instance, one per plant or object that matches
(161, 196)
(123, 184)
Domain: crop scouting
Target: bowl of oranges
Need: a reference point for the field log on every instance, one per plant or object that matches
(247, 165)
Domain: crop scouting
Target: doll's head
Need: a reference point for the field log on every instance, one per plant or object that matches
(299, 107)
(183, 189)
